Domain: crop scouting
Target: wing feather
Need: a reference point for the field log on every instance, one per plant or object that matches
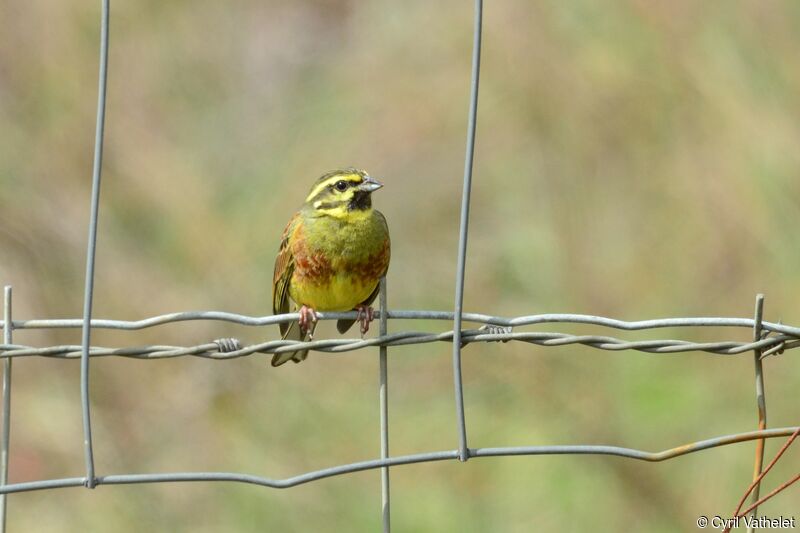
(282, 276)
(284, 268)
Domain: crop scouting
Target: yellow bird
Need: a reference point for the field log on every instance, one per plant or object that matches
(333, 253)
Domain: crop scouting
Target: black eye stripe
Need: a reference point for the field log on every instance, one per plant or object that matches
(341, 185)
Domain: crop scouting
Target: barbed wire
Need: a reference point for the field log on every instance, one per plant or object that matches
(494, 329)
(773, 338)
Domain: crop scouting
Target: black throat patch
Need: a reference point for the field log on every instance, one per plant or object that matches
(361, 201)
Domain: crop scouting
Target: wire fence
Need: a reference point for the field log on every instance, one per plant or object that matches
(768, 339)
(494, 329)
(773, 338)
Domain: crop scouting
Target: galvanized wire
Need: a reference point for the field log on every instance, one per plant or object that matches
(761, 403)
(383, 403)
(402, 314)
(123, 479)
(463, 450)
(88, 295)
(6, 435)
(495, 329)
(784, 337)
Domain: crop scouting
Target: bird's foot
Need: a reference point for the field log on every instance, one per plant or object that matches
(364, 315)
(308, 321)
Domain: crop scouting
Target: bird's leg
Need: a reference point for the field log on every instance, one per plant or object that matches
(364, 315)
(308, 321)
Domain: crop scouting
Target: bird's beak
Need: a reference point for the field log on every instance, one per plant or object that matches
(370, 184)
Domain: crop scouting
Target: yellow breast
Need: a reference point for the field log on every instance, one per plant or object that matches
(338, 263)
(340, 292)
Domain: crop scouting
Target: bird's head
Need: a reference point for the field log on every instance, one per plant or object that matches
(343, 194)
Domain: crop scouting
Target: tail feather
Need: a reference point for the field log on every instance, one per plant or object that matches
(292, 333)
(344, 324)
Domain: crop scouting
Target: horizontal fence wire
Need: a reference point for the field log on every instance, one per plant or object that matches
(495, 328)
(124, 479)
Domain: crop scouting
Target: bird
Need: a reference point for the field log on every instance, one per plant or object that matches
(332, 255)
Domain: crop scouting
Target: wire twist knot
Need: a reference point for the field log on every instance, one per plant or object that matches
(228, 344)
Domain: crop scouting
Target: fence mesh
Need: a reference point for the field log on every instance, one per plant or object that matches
(768, 339)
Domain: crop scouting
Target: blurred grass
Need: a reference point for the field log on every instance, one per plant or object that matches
(634, 159)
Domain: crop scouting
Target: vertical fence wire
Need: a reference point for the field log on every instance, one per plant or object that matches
(760, 401)
(8, 325)
(384, 407)
(463, 450)
(91, 245)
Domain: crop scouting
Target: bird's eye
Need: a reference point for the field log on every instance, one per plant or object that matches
(341, 185)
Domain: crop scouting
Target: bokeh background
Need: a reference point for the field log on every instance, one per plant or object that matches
(634, 159)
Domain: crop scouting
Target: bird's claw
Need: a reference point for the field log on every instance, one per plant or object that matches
(308, 321)
(364, 315)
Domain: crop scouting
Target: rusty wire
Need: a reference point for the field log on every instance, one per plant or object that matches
(753, 488)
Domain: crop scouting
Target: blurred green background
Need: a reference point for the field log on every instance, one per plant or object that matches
(634, 159)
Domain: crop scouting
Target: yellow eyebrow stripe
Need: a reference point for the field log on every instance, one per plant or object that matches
(333, 179)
